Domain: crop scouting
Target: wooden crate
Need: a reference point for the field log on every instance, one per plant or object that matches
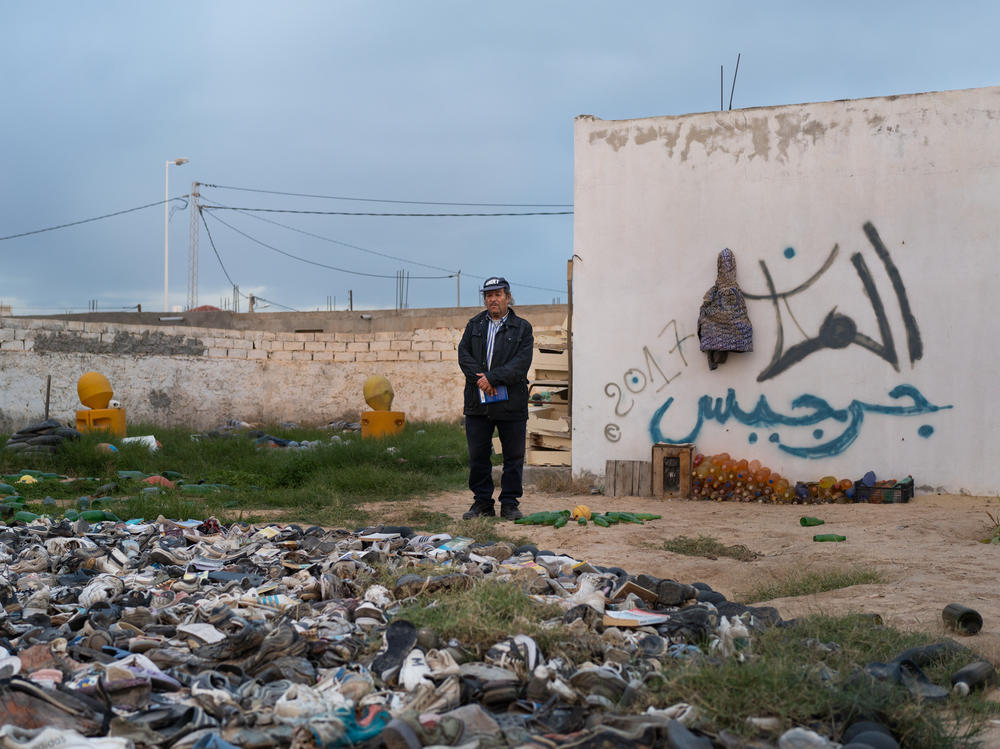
(550, 441)
(627, 478)
(548, 457)
(548, 360)
(672, 470)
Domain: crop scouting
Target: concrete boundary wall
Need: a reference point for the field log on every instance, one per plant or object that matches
(199, 377)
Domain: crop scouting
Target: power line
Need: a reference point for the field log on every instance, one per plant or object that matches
(374, 252)
(313, 262)
(385, 200)
(232, 283)
(271, 301)
(363, 249)
(403, 215)
(346, 244)
(89, 220)
(518, 284)
(212, 242)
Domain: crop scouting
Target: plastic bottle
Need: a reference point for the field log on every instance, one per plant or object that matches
(829, 537)
(977, 674)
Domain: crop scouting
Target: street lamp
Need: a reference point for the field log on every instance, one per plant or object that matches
(166, 225)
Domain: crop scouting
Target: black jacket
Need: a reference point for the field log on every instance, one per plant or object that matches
(512, 351)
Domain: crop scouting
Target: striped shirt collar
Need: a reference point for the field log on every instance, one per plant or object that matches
(491, 334)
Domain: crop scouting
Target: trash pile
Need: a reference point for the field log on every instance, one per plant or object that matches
(195, 634)
(237, 428)
(148, 483)
(721, 478)
(43, 437)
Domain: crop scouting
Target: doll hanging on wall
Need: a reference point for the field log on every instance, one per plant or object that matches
(723, 324)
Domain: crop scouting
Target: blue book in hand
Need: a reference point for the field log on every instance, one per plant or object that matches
(499, 395)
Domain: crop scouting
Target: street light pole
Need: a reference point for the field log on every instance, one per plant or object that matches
(166, 224)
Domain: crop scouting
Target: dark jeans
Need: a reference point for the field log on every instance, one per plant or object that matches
(479, 435)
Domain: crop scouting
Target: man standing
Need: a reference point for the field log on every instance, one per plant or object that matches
(495, 355)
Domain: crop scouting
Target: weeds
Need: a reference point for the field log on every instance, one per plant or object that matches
(788, 677)
(562, 481)
(808, 582)
(706, 546)
(993, 530)
(486, 613)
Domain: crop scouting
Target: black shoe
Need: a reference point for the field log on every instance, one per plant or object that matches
(510, 512)
(479, 510)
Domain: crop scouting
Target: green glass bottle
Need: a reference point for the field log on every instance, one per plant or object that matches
(829, 537)
(807, 521)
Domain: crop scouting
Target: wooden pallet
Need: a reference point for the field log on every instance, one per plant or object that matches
(628, 478)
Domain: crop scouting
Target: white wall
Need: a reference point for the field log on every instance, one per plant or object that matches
(200, 377)
(656, 199)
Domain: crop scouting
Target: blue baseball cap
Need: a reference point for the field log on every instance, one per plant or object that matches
(496, 282)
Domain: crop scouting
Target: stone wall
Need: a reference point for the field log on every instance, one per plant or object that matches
(199, 377)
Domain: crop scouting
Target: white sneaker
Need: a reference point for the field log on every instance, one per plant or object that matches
(414, 670)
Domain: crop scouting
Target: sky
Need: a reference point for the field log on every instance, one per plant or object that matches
(438, 103)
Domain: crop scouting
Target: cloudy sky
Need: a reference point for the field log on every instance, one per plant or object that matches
(435, 102)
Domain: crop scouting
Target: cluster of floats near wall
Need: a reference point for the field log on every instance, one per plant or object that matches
(724, 479)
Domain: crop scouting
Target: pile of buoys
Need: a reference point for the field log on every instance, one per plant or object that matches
(724, 479)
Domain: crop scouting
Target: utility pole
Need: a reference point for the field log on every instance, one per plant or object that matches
(192, 290)
(350, 300)
(252, 300)
(458, 289)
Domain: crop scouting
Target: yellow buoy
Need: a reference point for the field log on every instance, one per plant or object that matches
(378, 393)
(94, 390)
(581, 511)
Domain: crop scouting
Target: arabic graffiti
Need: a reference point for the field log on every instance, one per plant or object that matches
(764, 417)
(636, 380)
(838, 330)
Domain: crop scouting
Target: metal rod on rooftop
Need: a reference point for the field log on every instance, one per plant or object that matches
(735, 72)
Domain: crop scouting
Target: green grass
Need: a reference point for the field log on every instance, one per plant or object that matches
(484, 614)
(330, 484)
(808, 582)
(706, 546)
(781, 679)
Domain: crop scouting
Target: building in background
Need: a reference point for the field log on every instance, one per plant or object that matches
(865, 234)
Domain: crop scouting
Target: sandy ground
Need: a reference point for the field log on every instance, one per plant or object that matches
(927, 551)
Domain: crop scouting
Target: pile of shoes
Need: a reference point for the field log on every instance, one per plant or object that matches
(198, 635)
(43, 437)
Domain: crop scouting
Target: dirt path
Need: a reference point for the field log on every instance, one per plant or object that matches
(927, 551)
